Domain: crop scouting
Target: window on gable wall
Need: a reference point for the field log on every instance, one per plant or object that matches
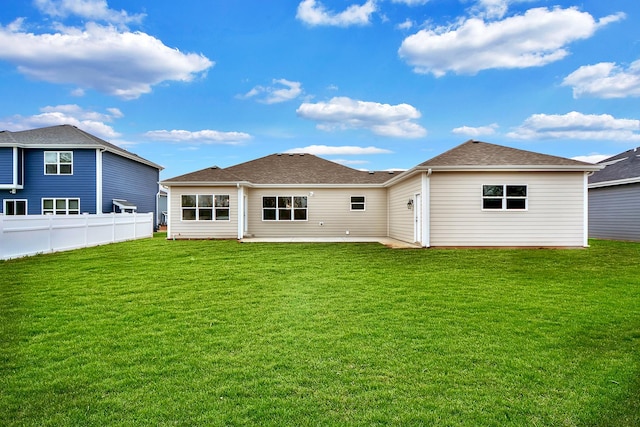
(205, 207)
(357, 203)
(504, 197)
(58, 162)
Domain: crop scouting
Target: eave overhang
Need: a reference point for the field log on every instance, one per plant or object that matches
(633, 180)
(125, 154)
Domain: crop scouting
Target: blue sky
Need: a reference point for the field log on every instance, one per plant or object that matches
(372, 84)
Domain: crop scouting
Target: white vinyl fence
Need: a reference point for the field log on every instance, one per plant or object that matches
(34, 234)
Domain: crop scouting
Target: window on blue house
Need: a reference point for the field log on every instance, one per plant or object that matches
(15, 207)
(58, 162)
(60, 206)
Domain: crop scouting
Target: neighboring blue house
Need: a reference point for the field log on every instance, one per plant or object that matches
(62, 170)
(614, 198)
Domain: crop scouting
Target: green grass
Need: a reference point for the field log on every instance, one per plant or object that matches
(157, 332)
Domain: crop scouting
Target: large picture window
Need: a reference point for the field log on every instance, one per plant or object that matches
(205, 207)
(15, 207)
(284, 208)
(504, 197)
(58, 162)
(60, 206)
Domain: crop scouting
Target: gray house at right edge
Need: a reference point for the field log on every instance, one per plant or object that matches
(614, 198)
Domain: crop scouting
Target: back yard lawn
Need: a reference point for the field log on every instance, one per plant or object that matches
(158, 332)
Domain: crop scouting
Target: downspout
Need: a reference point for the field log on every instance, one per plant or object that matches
(99, 152)
(426, 203)
(585, 208)
(240, 211)
(15, 167)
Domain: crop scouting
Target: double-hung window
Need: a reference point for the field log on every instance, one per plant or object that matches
(504, 197)
(15, 207)
(284, 208)
(58, 162)
(357, 203)
(60, 206)
(205, 207)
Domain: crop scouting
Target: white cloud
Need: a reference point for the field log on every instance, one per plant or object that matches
(491, 8)
(576, 125)
(90, 121)
(534, 39)
(206, 136)
(605, 80)
(283, 90)
(592, 158)
(345, 150)
(476, 131)
(411, 2)
(95, 10)
(124, 64)
(381, 119)
(406, 25)
(314, 13)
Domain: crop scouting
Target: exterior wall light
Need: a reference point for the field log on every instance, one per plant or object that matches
(410, 204)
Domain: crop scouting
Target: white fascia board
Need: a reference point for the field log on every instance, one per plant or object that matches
(633, 180)
(205, 184)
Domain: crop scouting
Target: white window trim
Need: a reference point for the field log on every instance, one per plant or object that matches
(57, 163)
(504, 198)
(363, 203)
(292, 209)
(66, 209)
(26, 206)
(213, 209)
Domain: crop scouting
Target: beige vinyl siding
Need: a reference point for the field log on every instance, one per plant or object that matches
(202, 229)
(401, 219)
(554, 217)
(331, 207)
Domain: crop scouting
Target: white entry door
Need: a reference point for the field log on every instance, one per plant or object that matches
(417, 218)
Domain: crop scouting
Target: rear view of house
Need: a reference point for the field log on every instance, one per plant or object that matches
(62, 170)
(477, 194)
(614, 198)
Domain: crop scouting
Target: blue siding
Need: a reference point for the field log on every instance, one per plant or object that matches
(37, 185)
(126, 179)
(6, 165)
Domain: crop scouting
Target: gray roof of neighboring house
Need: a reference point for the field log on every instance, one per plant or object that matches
(477, 153)
(285, 169)
(64, 137)
(621, 167)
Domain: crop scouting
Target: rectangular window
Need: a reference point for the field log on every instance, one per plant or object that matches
(61, 206)
(200, 207)
(357, 203)
(284, 208)
(58, 162)
(504, 197)
(15, 207)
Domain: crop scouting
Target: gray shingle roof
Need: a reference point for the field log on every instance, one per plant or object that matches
(477, 153)
(63, 137)
(286, 169)
(622, 166)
